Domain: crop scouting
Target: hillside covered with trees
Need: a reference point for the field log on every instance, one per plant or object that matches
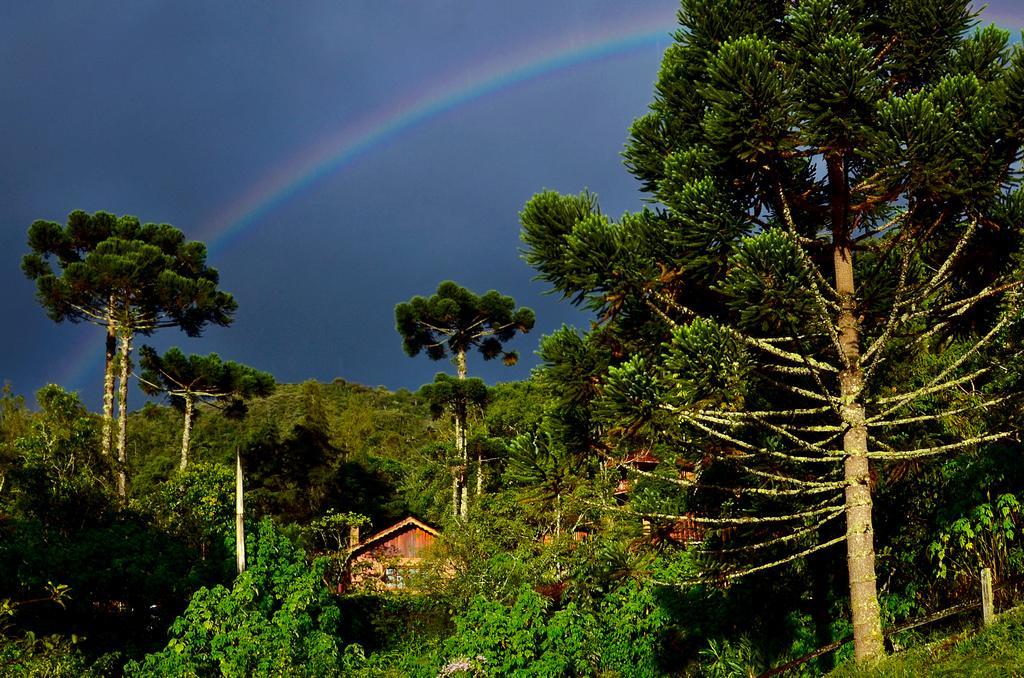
(793, 423)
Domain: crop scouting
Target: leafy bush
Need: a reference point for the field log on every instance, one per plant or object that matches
(530, 636)
(277, 619)
(987, 537)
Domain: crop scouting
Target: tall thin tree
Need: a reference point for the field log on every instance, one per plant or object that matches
(130, 278)
(452, 322)
(200, 379)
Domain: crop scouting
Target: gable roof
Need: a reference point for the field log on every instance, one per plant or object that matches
(397, 527)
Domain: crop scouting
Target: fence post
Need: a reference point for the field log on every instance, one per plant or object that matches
(988, 614)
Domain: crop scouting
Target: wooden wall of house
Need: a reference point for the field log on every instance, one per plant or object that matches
(409, 543)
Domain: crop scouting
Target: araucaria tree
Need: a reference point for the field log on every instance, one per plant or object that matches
(459, 397)
(200, 378)
(450, 323)
(827, 277)
(129, 278)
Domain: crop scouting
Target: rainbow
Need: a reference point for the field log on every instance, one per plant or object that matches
(360, 137)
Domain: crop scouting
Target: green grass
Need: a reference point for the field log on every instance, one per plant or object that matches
(995, 651)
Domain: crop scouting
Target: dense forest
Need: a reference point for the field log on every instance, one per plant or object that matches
(793, 423)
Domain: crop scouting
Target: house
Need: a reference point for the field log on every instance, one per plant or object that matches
(385, 559)
(685, 530)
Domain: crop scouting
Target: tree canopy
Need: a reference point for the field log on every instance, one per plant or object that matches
(130, 278)
(831, 252)
(449, 323)
(454, 320)
(200, 378)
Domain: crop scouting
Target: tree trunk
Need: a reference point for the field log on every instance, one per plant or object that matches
(107, 441)
(460, 440)
(239, 515)
(460, 363)
(479, 472)
(187, 430)
(460, 498)
(860, 543)
(464, 507)
(455, 491)
(122, 421)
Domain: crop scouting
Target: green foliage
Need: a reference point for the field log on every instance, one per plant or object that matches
(450, 393)
(994, 651)
(141, 276)
(494, 638)
(63, 438)
(801, 156)
(988, 537)
(726, 658)
(60, 473)
(767, 286)
(455, 320)
(529, 636)
(204, 378)
(198, 504)
(331, 532)
(49, 655)
(277, 619)
(709, 367)
(308, 448)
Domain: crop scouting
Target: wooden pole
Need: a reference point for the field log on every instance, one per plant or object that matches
(239, 515)
(988, 613)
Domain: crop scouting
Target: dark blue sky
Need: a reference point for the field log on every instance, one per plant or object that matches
(175, 111)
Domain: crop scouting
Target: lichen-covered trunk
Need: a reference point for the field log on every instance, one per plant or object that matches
(107, 441)
(479, 472)
(124, 359)
(461, 448)
(860, 543)
(463, 455)
(455, 491)
(239, 516)
(186, 432)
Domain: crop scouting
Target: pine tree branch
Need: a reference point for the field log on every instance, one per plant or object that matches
(790, 369)
(811, 395)
(739, 491)
(749, 571)
(749, 448)
(818, 282)
(934, 384)
(883, 340)
(875, 422)
(777, 540)
(961, 306)
(97, 316)
(939, 449)
(766, 345)
(904, 399)
(716, 418)
(739, 520)
(943, 271)
(812, 485)
(741, 414)
(892, 223)
(804, 445)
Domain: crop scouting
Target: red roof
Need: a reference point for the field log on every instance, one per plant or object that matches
(638, 458)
